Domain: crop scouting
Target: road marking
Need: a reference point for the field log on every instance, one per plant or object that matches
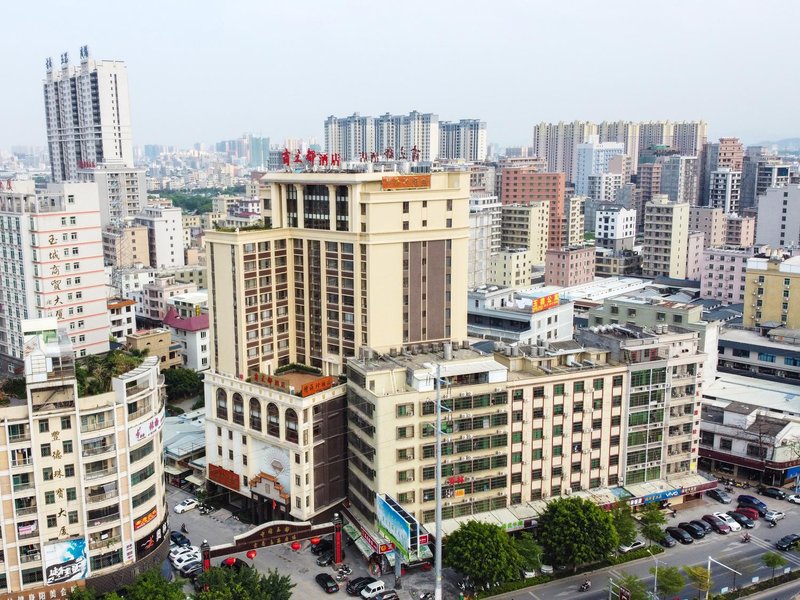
(534, 595)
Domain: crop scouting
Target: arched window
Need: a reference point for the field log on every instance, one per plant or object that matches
(255, 414)
(222, 404)
(273, 420)
(238, 409)
(291, 426)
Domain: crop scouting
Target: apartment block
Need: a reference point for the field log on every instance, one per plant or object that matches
(484, 237)
(158, 295)
(723, 276)
(125, 246)
(158, 343)
(615, 227)
(724, 189)
(740, 231)
(84, 483)
(712, 222)
(593, 157)
(122, 316)
(164, 234)
(356, 135)
(778, 222)
(526, 227)
(626, 132)
(666, 229)
(558, 142)
(648, 186)
(680, 178)
(694, 255)
(122, 189)
(52, 266)
(772, 291)
(528, 185)
(464, 139)
(569, 266)
(512, 268)
(517, 428)
(665, 370)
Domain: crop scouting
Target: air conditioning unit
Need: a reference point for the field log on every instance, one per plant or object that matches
(501, 493)
(587, 430)
(587, 451)
(498, 389)
(498, 452)
(464, 394)
(567, 492)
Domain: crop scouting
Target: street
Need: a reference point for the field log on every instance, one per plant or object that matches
(219, 527)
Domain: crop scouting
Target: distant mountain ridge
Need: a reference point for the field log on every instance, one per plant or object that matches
(784, 144)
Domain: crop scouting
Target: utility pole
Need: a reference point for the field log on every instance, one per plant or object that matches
(437, 590)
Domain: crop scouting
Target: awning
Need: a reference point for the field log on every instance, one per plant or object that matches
(175, 471)
(364, 547)
(196, 480)
(351, 531)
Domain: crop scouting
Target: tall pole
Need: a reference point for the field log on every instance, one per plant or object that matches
(655, 580)
(708, 591)
(437, 590)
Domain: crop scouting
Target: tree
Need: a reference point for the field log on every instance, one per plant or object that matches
(530, 552)
(670, 580)
(773, 560)
(652, 520)
(245, 584)
(151, 585)
(634, 585)
(182, 383)
(624, 523)
(574, 531)
(482, 551)
(82, 593)
(699, 576)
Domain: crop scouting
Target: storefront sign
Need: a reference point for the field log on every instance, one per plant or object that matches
(50, 592)
(149, 428)
(545, 302)
(223, 477)
(319, 385)
(145, 519)
(383, 548)
(659, 496)
(149, 543)
(406, 182)
(699, 488)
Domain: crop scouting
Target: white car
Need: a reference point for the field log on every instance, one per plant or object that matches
(729, 521)
(187, 504)
(185, 558)
(773, 515)
(178, 550)
(635, 545)
(794, 498)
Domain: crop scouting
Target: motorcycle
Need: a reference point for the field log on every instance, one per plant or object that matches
(426, 596)
(341, 578)
(772, 524)
(345, 570)
(183, 528)
(746, 538)
(585, 586)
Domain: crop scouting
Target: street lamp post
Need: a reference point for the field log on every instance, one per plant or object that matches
(654, 593)
(734, 571)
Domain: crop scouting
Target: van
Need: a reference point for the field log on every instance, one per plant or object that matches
(373, 589)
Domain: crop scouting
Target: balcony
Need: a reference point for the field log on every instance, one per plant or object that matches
(95, 426)
(139, 413)
(97, 544)
(26, 510)
(23, 485)
(94, 498)
(29, 558)
(101, 473)
(25, 462)
(19, 437)
(103, 520)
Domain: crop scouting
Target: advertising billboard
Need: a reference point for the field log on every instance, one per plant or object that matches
(147, 544)
(393, 524)
(66, 561)
(144, 430)
(545, 302)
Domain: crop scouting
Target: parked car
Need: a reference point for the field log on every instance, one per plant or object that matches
(774, 516)
(667, 541)
(679, 534)
(327, 583)
(237, 564)
(719, 496)
(527, 573)
(693, 530)
(178, 550)
(373, 589)
(741, 519)
(635, 545)
(325, 544)
(177, 538)
(700, 523)
(192, 568)
(732, 523)
(184, 559)
(387, 595)
(327, 558)
(355, 586)
(717, 524)
(188, 504)
(752, 501)
(748, 511)
(772, 492)
(794, 498)
(787, 542)
(546, 569)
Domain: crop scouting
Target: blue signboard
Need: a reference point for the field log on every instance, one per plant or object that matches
(393, 524)
(659, 496)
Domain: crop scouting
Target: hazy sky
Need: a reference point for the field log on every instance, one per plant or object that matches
(202, 70)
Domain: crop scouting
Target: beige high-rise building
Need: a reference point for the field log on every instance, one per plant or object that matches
(770, 291)
(352, 260)
(712, 222)
(740, 231)
(689, 137)
(666, 230)
(558, 142)
(626, 132)
(125, 246)
(512, 268)
(526, 227)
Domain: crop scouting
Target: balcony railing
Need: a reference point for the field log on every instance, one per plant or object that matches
(95, 426)
(29, 558)
(25, 485)
(30, 534)
(26, 510)
(106, 543)
(103, 473)
(19, 437)
(21, 463)
(91, 498)
(139, 413)
(95, 450)
(102, 520)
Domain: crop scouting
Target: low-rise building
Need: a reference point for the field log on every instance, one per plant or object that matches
(122, 315)
(770, 298)
(609, 263)
(184, 443)
(511, 268)
(740, 230)
(187, 320)
(774, 356)
(497, 313)
(569, 266)
(157, 296)
(157, 342)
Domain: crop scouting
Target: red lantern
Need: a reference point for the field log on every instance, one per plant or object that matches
(230, 561)
(315, 541)
(295, 546)
(251, 554)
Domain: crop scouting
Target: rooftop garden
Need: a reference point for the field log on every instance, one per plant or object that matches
(260, 225)
(94, 373)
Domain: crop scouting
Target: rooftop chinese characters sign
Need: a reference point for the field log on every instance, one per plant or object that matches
(545, 302)
(406, 182)
(318, 385)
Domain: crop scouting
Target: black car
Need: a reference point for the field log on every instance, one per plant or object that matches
(324, 545)
(693, 530)
(176, 537)
(719, 496)
(191, 569)
(327, 558)
(774, 493)
(758, 506)
(327, 583)
(787, 542)
(667, 541)
(741, 519)
(355, 586)
(702, 524)
(679, 534)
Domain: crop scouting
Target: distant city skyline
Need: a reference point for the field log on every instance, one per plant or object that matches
(279, 70)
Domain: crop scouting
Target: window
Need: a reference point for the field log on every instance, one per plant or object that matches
(67, 445)
(725, 444)
(49, 497)
(66, 423)
(51, 521)
(577, 387)
(766, 357)
(45, 449)
(598, 384)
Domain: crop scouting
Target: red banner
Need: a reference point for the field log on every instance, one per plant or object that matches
(229, 479)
